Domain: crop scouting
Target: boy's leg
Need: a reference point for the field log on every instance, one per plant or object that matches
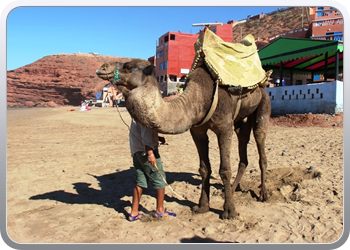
(136, 197)
(160, 204)
(160, 201)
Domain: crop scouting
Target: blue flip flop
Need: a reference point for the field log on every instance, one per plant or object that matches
(169, 213)
(133, 218)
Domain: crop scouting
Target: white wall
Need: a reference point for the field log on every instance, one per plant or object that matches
(316, 98)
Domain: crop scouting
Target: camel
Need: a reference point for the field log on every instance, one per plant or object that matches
(187, 111)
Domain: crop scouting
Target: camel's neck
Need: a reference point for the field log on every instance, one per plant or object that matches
(176, 116)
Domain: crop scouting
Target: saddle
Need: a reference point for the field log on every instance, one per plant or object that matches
(233, 64)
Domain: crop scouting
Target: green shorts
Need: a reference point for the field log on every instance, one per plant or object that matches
(145, 172)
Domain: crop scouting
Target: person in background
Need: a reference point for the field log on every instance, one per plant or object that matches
(84, 106)
(277, 82)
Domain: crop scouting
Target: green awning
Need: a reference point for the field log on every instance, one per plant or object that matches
(302, 55)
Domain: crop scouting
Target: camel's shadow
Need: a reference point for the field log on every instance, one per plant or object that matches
(113, 187)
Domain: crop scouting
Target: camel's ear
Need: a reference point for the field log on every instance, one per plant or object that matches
(148, 70)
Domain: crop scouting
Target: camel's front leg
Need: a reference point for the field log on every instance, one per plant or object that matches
(224, 140)
(201, 140)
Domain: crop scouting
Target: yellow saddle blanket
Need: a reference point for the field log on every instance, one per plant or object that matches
(236, 64)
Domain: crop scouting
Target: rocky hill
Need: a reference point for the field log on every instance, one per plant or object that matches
(270, 25)
(57, 80)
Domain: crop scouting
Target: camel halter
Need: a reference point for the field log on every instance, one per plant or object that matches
(116, 75)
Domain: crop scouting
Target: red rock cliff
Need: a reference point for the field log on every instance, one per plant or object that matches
(57, 80)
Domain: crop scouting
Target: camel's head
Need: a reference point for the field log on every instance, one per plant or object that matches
(130, 74)
(107, 70)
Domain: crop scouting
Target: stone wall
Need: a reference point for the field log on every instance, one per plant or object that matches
(320, 98)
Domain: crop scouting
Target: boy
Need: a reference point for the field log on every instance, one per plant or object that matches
(144, 150)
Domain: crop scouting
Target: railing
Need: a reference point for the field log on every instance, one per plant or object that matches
(328, 22)
(328, 37)
(289, 32)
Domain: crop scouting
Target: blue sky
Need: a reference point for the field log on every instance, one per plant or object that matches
(35, 32)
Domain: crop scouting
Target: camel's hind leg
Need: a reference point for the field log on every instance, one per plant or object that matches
(243, 130)
(260, 136)
(260, 131)
(224, 136)
(201, 140)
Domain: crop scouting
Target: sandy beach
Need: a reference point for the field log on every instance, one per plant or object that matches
(70, 179)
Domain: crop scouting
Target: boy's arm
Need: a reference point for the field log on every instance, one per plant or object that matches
(150, 156)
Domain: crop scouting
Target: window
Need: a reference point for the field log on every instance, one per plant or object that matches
(172, 36)
(166, 39)
(338, 36)
(165, 64)
(160, 54)
(173, 78)
(161, 66)
(320, 8)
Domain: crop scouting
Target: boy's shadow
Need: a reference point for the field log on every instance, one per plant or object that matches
(113, 187)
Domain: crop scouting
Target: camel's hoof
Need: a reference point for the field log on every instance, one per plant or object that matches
(200, 210)
(229, 214)
(263, 199)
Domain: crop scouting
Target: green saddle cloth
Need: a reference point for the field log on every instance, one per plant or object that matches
(236, 64)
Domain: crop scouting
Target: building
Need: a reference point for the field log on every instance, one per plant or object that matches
(175, 50)
(324, 23)
(327, 23)
(175, 53)
(256, 17)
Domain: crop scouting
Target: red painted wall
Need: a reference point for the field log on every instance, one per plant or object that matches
(223, 31)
